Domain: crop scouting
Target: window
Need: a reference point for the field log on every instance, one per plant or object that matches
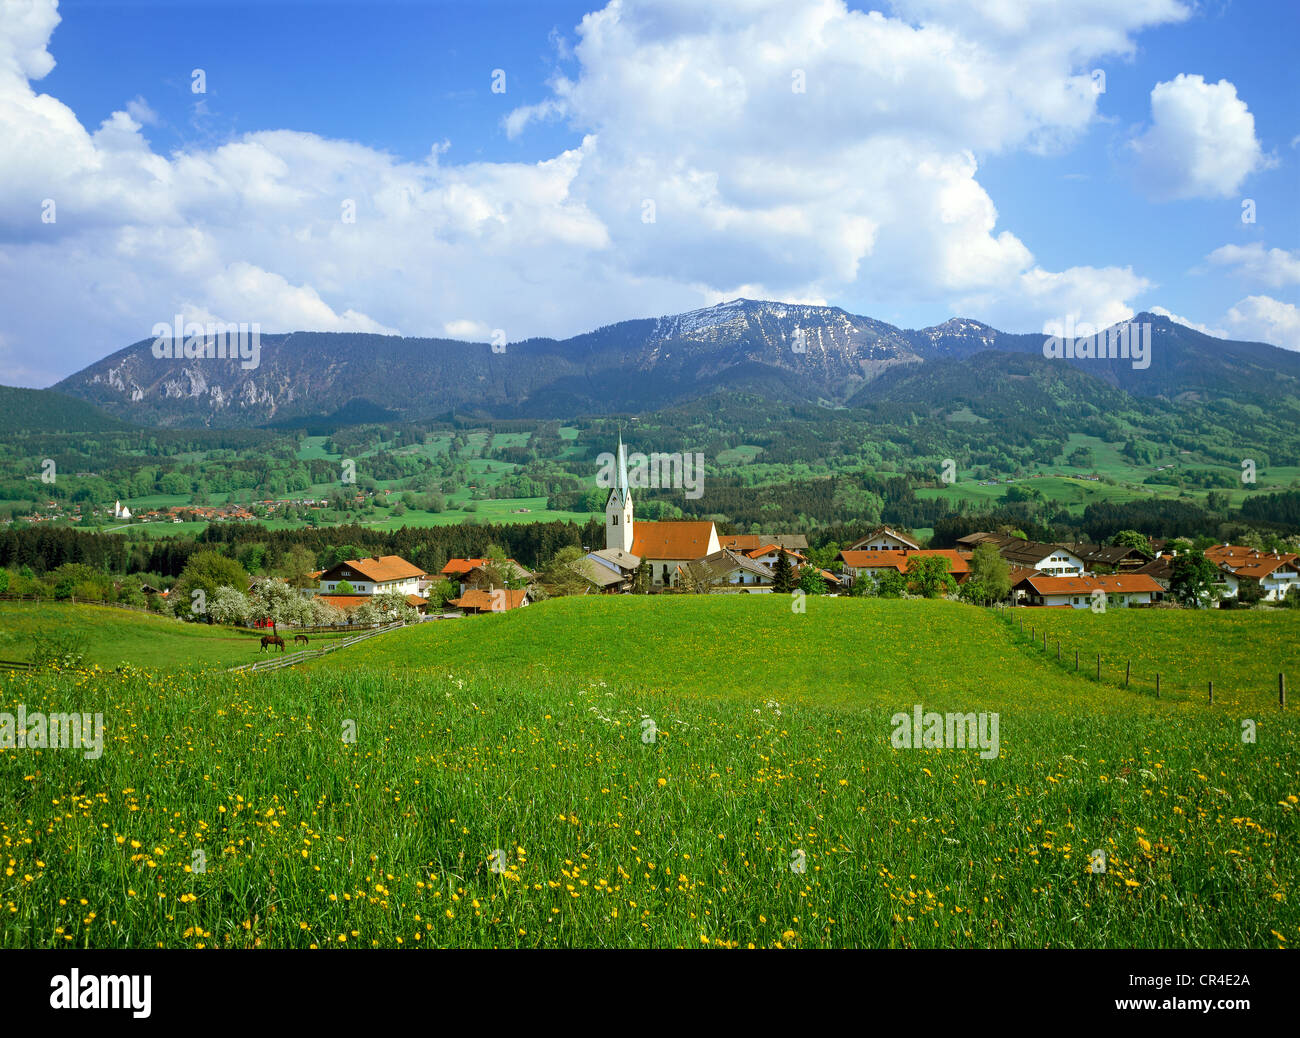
(613, 521)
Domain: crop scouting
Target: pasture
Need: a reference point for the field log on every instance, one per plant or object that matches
(493, 781)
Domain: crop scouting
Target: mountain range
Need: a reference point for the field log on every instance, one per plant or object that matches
(779, 351)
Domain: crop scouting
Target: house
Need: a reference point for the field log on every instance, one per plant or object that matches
(1271, 573)
(1115, 558)
(1053, 559)
(498, 600)
(667, 546)
(472, 573)
(875, 562)
(1161, 570)
(373, 576)
(1121, 589)
(767, 554)
(735, 571)
(884, 538)
(748, 542)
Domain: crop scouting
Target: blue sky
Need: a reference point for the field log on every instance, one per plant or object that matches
(941, 160)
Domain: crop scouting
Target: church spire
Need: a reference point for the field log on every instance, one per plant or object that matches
(621, 486)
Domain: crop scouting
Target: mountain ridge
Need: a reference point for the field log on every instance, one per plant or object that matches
(787, 352)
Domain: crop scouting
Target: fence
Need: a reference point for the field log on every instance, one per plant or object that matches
(302, 655)
(1091, 663)
(15, 665)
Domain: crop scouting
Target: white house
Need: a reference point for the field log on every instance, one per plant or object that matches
(1121, 589)
(374, 575)
(884, 538)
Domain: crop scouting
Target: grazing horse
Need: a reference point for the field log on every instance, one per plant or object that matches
(272, 639)
(300, 638)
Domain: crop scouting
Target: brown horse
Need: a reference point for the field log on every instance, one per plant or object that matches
(300, 638)
(272, 639)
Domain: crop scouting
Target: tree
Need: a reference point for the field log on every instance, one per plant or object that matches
(563, 574)
(229, 606)
(205, 571)
(863, 586)
(811, 581)
(1192, 578)
(642, 579)
(296, 566)
(386, 607)
(1132, 539)
(344, 588)
(891, 584)
(928, 576)
(275, 600)
(782, 574)
(989, 579)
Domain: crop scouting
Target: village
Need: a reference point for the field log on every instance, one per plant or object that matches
(690, 556)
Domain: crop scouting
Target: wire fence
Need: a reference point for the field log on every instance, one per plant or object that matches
(1117, 671)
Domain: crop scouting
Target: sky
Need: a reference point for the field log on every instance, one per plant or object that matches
(530, 168)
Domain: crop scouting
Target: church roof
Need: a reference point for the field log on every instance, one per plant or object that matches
(672, 539)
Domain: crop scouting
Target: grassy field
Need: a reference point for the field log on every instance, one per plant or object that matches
(1242, 652)
(112, 637)
(493, 781)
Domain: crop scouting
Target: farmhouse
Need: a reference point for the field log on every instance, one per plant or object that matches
(1054, 559)
(1272, 574)
(1121, 590)
(473, 573)
(884, 538)
(373, 576)
(875, 562)
(498, 600)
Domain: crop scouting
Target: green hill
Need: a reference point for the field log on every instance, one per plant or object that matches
(45, 411)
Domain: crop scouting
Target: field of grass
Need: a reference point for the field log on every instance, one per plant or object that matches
(494, 781)
(112, 637)
(1241, 651)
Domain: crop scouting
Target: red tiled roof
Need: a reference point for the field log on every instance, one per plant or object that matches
(890, 558)
(345, 602)
(1115, 583)
(383, 569)
(672, 539)
(498, 600)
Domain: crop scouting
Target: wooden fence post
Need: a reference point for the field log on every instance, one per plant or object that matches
(1157, 684)
(1098, 666)
(1058, 648)
(1281, 690)
(1076, 661)
(1128, 669)
(1211, 693)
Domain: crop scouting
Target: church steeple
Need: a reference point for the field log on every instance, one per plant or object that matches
(618, 506)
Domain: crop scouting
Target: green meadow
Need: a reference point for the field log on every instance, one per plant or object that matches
(697, 771)
(109, 637)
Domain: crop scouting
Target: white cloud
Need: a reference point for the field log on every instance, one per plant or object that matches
(863, 187)
(1201, 142)
(1264, 319)
(1275, 268)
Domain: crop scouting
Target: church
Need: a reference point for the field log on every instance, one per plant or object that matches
(665, 546)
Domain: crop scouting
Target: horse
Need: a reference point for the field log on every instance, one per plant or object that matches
(272, 639)
(300, 638)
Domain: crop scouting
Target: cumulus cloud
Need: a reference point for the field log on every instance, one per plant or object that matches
(1201, 142)
(1275, 268)
(791, 148)
(1264, 319)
